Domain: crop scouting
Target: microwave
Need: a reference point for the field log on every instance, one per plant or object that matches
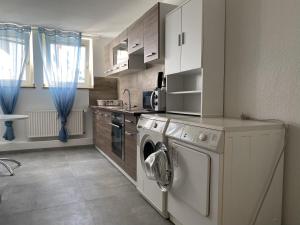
(154, 100)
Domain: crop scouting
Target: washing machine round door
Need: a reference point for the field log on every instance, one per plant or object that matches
(147, 149)
(158, 167)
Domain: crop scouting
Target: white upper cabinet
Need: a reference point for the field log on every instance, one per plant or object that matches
(173, 42)
(184, 38)
(194, 58)
(191, 37)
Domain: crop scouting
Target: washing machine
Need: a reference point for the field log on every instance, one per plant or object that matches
(221, 171)
(151, 135)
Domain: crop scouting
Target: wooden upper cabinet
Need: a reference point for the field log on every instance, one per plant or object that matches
(120, 43)
(154, 32)
(108, 58)
(136, 36)
(146, 36)
(151, 34)
(121, 37)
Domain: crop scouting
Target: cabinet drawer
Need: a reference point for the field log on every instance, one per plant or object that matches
(131, 119)
(131, 123)
(105, 117)
(102, 133)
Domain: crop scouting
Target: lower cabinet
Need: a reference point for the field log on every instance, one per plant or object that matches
(103, 139)
(130, 145)
(102, 135)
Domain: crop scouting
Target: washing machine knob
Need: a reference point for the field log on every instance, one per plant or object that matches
(155, 125)
(203, 137)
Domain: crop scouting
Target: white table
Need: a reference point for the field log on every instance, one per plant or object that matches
(4, 118)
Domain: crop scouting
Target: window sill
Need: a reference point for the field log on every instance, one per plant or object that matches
(82, 88)
(28, 86)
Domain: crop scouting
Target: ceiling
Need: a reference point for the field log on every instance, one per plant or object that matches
(95, 17)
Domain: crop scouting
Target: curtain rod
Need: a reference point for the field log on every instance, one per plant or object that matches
(35, 27)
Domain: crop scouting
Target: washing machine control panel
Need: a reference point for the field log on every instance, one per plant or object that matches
(145, 123)
(152, 124)
(203, 137)
(195, 135)
(158, 126)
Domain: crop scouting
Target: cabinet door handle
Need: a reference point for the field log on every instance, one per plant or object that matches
(135, 45)
(129, 134)
(114, 125)
(151, 54)
(129, 121)
(183, 38)
(179, 39)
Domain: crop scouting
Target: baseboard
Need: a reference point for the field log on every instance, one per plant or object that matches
(26, 145)
(174, 220)
(117, 166)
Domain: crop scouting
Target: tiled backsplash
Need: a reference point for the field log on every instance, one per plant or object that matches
(138, 82)
(104, 89)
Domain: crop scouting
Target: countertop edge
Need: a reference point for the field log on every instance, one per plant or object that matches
(133, 113)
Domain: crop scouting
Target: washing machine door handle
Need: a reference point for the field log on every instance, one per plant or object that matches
(158, 167)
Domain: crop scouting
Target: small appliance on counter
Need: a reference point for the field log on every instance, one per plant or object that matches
(111, 103)
(156, 100)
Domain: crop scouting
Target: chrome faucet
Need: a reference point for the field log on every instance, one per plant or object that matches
(129, 98)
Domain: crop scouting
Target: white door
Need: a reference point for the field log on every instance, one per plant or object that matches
(173, 42)
(191, 55)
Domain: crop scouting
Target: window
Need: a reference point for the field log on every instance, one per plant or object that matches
(7, 66)
(85, 76)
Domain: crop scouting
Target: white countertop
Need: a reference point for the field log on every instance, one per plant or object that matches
(227, 124)
(5, 117)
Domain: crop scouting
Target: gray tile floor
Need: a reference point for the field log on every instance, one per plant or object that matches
(71, 187)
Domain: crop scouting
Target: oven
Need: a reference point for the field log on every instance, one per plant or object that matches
(117, 133)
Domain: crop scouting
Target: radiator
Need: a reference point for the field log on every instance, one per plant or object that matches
(47, 124)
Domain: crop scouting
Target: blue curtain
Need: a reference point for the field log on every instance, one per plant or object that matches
(60, 52)
(14, 55)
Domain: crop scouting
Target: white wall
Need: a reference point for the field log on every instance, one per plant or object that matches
(40, 99)
(263, 76)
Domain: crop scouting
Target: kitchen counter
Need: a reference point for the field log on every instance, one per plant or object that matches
(108, 128)
(132, 112)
